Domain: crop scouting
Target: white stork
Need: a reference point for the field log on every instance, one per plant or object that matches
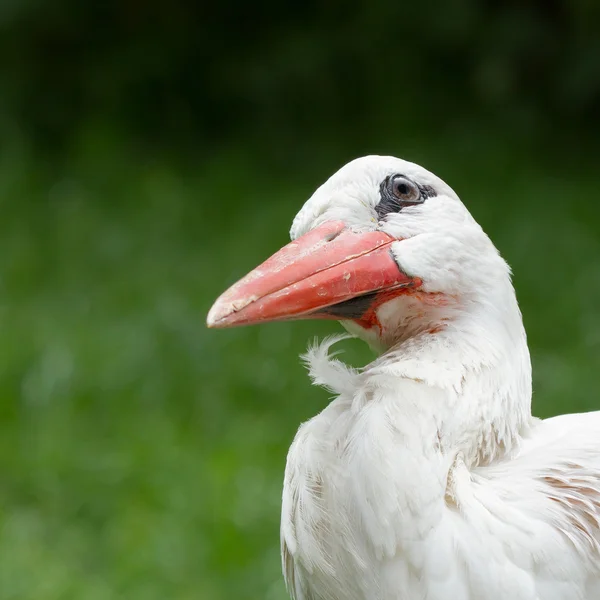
(426, 478)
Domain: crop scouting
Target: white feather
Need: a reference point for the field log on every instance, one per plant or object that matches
(325, 370)
(427, 478)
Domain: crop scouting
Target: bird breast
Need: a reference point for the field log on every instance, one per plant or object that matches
(356, 501)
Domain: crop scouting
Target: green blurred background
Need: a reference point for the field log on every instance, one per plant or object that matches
(151, 153)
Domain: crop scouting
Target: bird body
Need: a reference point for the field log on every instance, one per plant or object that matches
(426, 477)
(386, 496)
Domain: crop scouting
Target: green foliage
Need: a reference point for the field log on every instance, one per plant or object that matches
(201, 72)
(153, 153)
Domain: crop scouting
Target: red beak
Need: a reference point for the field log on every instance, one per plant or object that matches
(330, 272)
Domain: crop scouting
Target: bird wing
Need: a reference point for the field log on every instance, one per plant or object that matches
(540, 509)
(526, 527)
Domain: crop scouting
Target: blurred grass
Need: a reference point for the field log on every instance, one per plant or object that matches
(142, 455)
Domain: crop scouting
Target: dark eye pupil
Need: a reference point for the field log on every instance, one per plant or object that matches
(402, 189)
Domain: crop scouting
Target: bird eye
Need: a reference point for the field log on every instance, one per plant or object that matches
(405, 190)
(398, 191)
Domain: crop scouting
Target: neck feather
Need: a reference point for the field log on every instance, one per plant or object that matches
(475, 353)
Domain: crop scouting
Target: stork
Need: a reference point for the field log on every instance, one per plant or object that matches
(426, 477)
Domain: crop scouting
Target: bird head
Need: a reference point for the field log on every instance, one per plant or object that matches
(384, 246)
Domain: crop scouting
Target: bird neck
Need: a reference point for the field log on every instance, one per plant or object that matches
(476, 354)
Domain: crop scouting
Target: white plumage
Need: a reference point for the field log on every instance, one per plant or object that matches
(426, 477)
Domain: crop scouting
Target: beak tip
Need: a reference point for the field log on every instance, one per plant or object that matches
(216, 315)
(224, 310)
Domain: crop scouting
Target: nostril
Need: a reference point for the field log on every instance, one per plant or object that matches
(331, 236)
